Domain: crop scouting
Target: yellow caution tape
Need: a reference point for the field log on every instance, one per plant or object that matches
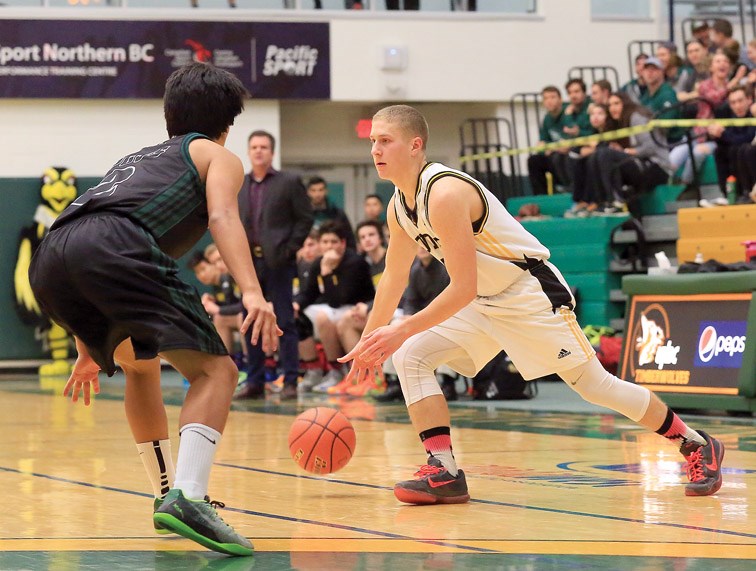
(613, 135)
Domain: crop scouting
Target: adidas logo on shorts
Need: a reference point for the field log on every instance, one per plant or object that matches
(563, 353)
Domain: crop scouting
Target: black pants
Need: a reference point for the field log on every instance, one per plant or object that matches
(539, 165)
(276, 285)
(585, 185)
(737, 160)
(617, 169)
(745, 168)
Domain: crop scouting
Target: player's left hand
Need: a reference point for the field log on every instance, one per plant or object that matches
(84, 378)
(381, 343)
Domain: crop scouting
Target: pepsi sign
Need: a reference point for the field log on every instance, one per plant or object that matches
(687, 343)
(721, 344)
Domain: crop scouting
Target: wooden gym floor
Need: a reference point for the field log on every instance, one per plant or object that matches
(550, 489)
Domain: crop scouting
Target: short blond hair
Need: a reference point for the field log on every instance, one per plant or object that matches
(409, 120)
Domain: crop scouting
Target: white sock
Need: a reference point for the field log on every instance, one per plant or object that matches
(158, 462)
(195, 458)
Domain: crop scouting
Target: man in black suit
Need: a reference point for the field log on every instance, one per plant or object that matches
(277, 216)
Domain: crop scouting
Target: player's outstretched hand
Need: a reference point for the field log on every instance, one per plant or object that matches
(360, 370)
(262, 319)
(381, 343)
(84, 378)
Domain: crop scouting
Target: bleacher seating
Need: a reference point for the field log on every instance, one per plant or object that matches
(717, 233)
(581, 249)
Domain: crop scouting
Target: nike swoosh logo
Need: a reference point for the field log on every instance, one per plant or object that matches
(210, 440)
(714, 466)
(439, 484)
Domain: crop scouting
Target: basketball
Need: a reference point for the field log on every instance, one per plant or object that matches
(321, 440)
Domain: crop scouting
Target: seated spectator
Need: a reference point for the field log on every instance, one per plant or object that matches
(721, 36)
(323, 209)
(700, 32)
(751, 53)
(306, 255)
(309, 361)
(680, 76)
(576, 113)
(712, 93)
(600, 92)
(224, 305)
(371, 242)
(700, 61)
(338, 280)
(552, 130)
(734, 154)
(638, 161)
(659, 97)
(586, 194)
(205, 272)
(351, 325)
(374, 209)
(636, 88)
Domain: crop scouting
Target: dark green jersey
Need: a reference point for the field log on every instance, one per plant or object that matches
(553, 125)
(157, 187)
(662, 104)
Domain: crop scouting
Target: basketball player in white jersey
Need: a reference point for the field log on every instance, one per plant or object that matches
(503, 294)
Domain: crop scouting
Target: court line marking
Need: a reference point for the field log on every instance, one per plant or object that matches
(383, 534)
(504, 504)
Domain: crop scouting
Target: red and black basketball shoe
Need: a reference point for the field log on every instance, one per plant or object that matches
(704, 466)
(433, 485)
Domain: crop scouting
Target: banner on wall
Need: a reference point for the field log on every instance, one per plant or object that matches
(117, 59)
(687, 343)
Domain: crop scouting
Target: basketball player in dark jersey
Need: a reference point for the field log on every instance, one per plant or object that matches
(107, 273)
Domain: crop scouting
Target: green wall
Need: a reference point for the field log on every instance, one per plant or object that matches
(20, 200)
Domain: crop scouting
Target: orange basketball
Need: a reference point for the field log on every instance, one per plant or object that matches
(322, 440)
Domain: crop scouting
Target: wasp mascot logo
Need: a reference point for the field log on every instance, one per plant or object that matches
(58, 190)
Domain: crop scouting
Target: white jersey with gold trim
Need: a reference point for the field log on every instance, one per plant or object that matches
(501, 243)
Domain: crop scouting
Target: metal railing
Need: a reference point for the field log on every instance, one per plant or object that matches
(501, 175)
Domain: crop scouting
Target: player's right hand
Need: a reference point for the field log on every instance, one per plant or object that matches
(262, 319)
(84, 377)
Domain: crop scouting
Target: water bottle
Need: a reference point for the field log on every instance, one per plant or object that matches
(732, 189)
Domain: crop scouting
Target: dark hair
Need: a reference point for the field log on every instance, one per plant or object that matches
(263, 133)
(610, 124)
(628, 108)
(376, 196)
(731, 52)
(573, 81)
(722, 26)
(375, 224)
(196, 259)
(737, 88)
(604, 84)
(641, 56)
(551, 89)
(333, 227)
(699, 27)
(316, 180)
(202, 98)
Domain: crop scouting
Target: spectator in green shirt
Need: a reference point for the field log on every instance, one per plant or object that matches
(660, 98)
(635, 88)
(552, 130)
(578, 122)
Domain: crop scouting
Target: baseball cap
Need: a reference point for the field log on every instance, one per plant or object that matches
(654, 61)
